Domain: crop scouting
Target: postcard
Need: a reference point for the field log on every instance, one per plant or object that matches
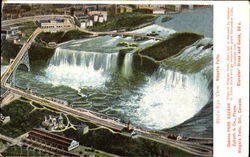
(124, 78)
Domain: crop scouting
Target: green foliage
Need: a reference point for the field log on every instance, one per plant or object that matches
(27, 29)
(170, 46)
(144, 11)
(133, 44)
(123, 43)
(72, 11)
(9, 50)
(124, 145)
(21, 120)
(126, 49)
(125, 21)
(40, 54)
(60, 37)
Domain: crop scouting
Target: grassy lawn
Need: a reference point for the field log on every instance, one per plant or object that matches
(125, 22)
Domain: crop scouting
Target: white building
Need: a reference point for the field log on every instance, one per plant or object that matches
(74, 144)
(159, 11)
(54, 24)
(98, 14)
(4, 119)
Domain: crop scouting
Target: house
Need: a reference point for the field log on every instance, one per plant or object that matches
(97, 14)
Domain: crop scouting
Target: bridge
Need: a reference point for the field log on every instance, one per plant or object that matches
(8, 81)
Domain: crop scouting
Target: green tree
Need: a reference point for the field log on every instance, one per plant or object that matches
(72, 10)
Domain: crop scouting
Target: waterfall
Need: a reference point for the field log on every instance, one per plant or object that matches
(80, 68)
(127, 65)
(169, 98)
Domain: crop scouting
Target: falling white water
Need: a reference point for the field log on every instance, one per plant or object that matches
(169, 98)
(199, 53)
(3, 69)
(78, 68)
(127, 65)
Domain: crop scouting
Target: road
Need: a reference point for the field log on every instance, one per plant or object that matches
(192, 147)
(34, 18)
(31, 18)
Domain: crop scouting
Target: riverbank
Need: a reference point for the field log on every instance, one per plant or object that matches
(170, 46)
(126, 22)
(41, 51)
(29, 116)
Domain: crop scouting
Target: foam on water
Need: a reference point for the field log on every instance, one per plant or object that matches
(169, 98)
(163, 31)
(147, 43)
(79, 68)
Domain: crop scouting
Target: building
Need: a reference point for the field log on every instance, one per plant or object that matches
(124, 9)
(53, 139)
(98, 16)
(83, 128)
(53, 123)
(54, 24)
(11, 34)
(4, 119)
(4, 34)
(159, 11)
(83, 21)
(52, 44)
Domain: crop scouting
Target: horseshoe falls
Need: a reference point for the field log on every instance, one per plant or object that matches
(169, 98)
